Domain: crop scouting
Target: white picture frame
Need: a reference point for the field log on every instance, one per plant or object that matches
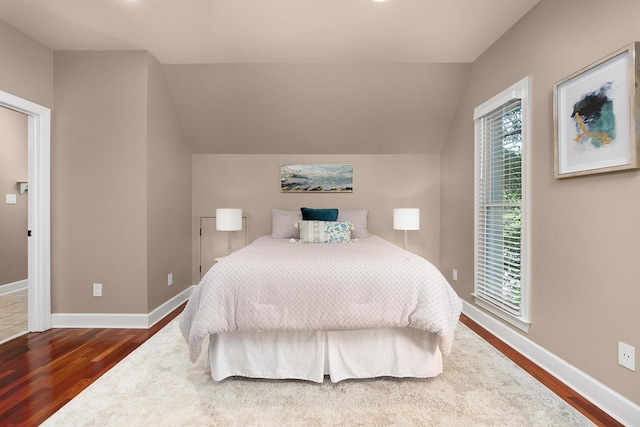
(596, 117)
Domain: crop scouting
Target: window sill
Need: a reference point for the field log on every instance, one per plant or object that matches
(518, 322)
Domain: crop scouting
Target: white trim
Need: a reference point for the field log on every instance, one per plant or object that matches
(124, 320)
(14, 287)
(159, 313)
(613, 403)
(100, 320)
(39, 216)
(518, 90)
(515, 321)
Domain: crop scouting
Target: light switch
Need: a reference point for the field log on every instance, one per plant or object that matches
(10, 199)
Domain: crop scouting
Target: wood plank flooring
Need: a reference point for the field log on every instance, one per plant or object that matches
(41, 372)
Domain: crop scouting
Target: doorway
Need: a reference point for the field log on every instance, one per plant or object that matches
(13, 224)
(39, 213)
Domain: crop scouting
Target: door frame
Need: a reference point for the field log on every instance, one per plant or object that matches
(39, 211)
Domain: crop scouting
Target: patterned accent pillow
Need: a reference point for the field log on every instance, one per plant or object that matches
(325, 231)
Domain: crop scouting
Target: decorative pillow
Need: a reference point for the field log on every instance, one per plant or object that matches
(358, 218)
(324, 231)
(310, 214)
(284, 224)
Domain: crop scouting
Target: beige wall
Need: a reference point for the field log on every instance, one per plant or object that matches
(381, 183)
(584, 246)
(27, 72)
(168, 194)
(27, 66)
(13, 218)
(99, 182)
(121, 185)
(316, 108)
(104, 153)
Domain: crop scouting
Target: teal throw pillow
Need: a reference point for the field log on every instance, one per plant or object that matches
(310, 214)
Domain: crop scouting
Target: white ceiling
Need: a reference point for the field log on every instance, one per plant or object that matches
(271, 31)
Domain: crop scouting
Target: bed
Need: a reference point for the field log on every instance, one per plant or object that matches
(286, 308)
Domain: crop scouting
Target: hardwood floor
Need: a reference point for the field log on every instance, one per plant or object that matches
(41, 372)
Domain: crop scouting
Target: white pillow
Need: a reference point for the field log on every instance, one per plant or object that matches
(283, 224)
(358, 218)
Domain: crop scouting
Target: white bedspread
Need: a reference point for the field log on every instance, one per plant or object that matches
(275, 285)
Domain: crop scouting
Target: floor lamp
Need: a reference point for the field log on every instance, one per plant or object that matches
(406, 219)
(228, 220)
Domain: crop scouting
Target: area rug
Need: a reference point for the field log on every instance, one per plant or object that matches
(156, 385)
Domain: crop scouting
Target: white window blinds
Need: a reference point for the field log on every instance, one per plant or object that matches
(499, 261)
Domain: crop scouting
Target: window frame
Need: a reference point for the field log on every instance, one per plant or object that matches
(519, 90)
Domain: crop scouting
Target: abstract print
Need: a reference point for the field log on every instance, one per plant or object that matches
(594, 118)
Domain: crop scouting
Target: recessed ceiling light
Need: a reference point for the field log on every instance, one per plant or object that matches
(378, 1)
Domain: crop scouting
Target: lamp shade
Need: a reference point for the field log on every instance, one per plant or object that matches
(228, 219)
(406, 219)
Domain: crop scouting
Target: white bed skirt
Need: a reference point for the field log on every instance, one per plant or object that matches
(366, 353)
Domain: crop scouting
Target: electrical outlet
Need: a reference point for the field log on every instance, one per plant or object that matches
(627, 355)
(170, 279)
(97, 289)
(455, 275)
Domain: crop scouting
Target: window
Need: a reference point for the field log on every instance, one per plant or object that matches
(500, 284)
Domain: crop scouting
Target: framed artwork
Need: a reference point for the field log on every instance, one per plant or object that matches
(316, 178)
(596, 116)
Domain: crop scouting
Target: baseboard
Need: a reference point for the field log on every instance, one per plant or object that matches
(120, 320)
(611, 402)
(14, 287)
(161, 312)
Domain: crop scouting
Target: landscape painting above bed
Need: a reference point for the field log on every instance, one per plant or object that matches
(316, 178)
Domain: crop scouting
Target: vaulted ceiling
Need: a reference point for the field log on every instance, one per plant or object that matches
(306, 76)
